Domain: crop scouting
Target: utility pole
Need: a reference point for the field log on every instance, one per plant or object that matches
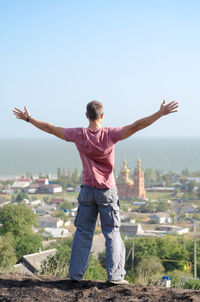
(195, 259)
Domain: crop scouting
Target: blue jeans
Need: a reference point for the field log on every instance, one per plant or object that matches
(91, 202)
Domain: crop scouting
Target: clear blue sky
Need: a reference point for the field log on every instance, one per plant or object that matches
(56, 56)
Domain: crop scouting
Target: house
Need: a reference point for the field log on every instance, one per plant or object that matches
(73, 211)
(189, 208)
(49, 222)
(35, 202)
(124, 218)
(21, 183)
(42, 188)
(42, 181)
(185, 208)
(22, 269)
(25, 201)
(56, 200)
(131, 229)
(57, 232)
(33, 262)
(160, 218)
(173, 229)
(42, 210)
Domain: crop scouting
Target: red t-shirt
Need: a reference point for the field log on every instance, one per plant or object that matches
(96, 149)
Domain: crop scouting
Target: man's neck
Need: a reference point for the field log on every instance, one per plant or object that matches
(94, 125)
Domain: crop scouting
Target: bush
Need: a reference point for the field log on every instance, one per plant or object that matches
(58, 265)
(176, 277)
(149, 270)
(95, 271)
(7, 253)
(191, 284)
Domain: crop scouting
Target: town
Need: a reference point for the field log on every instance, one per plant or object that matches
(153, 205)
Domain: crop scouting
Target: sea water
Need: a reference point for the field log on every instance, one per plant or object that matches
(18, 156)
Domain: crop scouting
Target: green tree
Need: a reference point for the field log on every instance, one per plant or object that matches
(149, 270)
(162, 206)
(66, 205)
(75, 176)
(159, 175)
(149, 175)
(7, 252)
(191, 185)
(186, 172)
(27, 243)
(59, 173)
(16, 219)
(57, 265)
(61, 215)
(198, 192)
(149, 207)
(69, 177)
(20, 196)
(95, 271)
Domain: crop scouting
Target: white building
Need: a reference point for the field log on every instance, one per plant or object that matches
(57, 232)
(161, 218)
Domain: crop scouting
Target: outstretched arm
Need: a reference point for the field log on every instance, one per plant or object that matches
(147, 121)
(25, 115)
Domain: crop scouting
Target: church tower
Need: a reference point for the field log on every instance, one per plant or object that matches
(124, 174)
(125, 183)
(139, 189)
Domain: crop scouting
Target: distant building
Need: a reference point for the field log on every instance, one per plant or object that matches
(42, 181)
(131, 229)
(57, 232)
(49, 222)
(56, 200)
(21, 183)
(129, 188)
(173, 229)
(185, 208)
(46, 209)
(34, 261)
(161, 218)
(42, 188)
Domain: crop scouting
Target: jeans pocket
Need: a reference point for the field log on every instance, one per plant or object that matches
(107, 197)
(77, 216)
(110, 218)
(116, 218)
(85, 196)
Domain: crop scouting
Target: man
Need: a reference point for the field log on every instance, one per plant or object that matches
(98, 191)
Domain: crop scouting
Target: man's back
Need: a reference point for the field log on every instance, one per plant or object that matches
(96, 148)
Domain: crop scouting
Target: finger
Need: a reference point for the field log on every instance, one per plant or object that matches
(173, 111)
(173, 107)
(27, 111)
(16, 113)
(18, 110)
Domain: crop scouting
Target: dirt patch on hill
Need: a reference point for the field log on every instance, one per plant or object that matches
(28, 289)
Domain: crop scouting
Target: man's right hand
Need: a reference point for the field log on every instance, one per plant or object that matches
(168, 108)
